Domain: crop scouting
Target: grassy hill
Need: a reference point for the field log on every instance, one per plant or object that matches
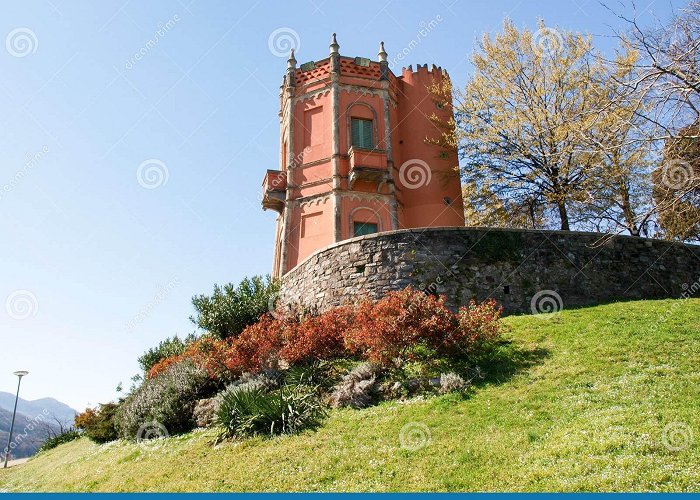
(602, 398)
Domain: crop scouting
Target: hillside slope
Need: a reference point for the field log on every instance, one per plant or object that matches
(603, 398)
(27, 438)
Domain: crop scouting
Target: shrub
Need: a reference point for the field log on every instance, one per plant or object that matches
(99, 424)
(167, 400)
(358, 389)
(393, 327)
(263, 381)
(204, 412)
(320, 374)
(478, 327)
(317, 337)
(207, 352)
(247, 410)
(257, 347)
(230, 309)
(451, 382)
(168, 348)
(402, 326)
(64, 437)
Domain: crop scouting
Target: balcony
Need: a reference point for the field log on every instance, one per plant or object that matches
(274, 190)
(367, 165)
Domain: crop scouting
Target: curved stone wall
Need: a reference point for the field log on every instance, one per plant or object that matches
(521, 269)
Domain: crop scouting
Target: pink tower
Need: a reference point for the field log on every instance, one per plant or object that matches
(354, 156)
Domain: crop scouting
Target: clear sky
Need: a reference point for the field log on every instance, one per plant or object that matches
(133, 141)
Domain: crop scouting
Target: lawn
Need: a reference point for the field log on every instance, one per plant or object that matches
(598, 399)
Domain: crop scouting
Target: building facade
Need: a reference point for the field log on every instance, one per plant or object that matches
(356, 157)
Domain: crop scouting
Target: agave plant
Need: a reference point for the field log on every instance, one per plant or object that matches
(247, 410)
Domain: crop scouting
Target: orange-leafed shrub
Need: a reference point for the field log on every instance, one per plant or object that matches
(478, 326)
(258, 345)
(397, 324)
(206, 352)
(318, 337)
(162, 365)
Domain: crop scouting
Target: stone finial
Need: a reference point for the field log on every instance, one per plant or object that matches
(291, 62)
(334, 45)
(382, 53)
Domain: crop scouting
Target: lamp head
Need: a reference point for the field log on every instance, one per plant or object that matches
(21, 373)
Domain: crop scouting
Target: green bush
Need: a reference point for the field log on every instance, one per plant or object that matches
(59, 439)
(168, 348)
(249, 409)
(230, 309)
(166, 401)
(99, 424)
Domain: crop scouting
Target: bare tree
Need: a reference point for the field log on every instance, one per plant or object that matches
(669, 67)
(667, 75)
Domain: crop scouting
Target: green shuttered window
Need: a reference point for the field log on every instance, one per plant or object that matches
(362, 133)
(362, 228)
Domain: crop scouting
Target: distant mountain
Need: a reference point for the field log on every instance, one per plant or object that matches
(28, 435)
(49, 407)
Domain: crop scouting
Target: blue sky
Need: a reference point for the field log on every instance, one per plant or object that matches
(130, 183)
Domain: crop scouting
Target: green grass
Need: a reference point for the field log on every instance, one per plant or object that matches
(583, 406)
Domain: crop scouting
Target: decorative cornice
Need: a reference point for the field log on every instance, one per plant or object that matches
(314, 200)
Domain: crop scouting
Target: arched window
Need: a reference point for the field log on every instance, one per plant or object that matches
(362, 133)
(363, 228)
(361, 126)
(365, 220)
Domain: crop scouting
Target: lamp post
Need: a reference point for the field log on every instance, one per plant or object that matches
(19, 374)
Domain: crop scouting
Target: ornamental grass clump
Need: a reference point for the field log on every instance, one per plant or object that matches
(358, 389)
(250, 409)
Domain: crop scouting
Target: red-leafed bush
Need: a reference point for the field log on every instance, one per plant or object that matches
(258, 345)
(318, 337)
(478, 326)
(206, 352)
(397, 324)
(162, 365)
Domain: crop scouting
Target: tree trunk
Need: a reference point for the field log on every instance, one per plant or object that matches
(563, 216)
(627, 210)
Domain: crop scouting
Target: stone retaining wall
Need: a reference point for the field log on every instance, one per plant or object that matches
(524, 270)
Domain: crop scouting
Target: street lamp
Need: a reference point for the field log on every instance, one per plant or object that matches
(19, 374)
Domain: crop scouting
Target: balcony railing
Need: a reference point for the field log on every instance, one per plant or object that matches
(274, 190)
(367, 165)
